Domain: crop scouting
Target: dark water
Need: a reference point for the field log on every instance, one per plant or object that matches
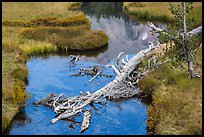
(53, 74)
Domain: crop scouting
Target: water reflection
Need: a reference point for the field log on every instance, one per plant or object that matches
(124, 34)
(103, 9)
(52, 75)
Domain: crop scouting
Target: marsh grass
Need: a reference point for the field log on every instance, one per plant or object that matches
(76, 20)
(32, 10)
(63, 38)
(32, 47)
(176, 106)
(159, 12)
(46, 34)
(14, 73)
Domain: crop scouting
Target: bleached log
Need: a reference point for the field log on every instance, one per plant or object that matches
(86, 120)
(66, 114)
(113, 90)
(127, 58)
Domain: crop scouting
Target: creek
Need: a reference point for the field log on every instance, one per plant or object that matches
(52, 74)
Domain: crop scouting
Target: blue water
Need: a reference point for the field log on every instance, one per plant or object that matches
(52, 74)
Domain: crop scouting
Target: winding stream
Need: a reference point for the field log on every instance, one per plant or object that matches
(53, 74)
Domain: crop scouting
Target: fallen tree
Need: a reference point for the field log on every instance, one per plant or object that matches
(123, 86)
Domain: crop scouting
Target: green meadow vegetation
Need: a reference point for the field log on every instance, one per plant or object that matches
(31, 28)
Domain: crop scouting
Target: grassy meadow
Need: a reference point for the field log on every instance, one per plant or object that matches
(176, 107)
(31, 28)
(58, 26)
(158, 11)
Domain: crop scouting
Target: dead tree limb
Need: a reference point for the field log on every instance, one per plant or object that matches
(119, 62)
(86, 120)
(95, 76)
(120, 87)
(189, 34)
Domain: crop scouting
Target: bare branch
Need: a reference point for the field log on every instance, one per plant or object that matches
(56, 100)
(159, 30)
(119, 62)
(115, 69)
(95, 76)
(127, 58)
(195, 31)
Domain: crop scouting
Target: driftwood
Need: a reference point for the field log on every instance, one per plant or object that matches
(123, 86)
(92, 71)
(86, 120)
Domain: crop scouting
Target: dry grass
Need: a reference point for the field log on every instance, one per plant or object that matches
(158, 11)
(46, 34)
(177, 100)
(14, 75)
(32, 10)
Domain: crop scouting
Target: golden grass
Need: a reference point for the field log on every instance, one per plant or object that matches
(32, 47)
(158, 11)
(45, 34)
(31, 10)
(14, 75)
(177, 100)
(78, 19)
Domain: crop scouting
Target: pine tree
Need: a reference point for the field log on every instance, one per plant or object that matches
(184, 47)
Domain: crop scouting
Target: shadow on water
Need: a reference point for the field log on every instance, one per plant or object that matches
(52, 73)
